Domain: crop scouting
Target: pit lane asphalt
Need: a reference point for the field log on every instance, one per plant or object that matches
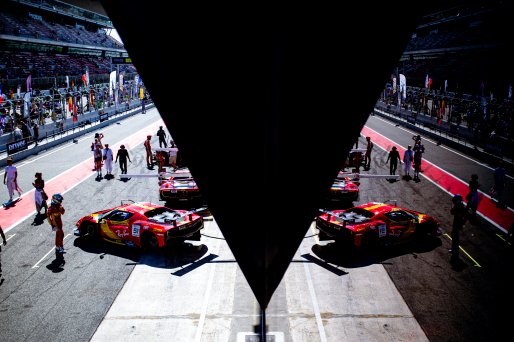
(39, 302)
(317, 301)
(466, 302)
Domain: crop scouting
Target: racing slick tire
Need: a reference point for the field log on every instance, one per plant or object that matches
(149, 241)
(89, 230)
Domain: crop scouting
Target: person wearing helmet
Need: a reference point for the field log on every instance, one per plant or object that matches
(54, 214)
(459, 212)
(148, 149)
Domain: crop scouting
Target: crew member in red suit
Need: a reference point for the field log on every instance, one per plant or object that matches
(148, 149)
(54, 214)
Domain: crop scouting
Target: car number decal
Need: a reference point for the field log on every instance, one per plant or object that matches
(382, 230)
(135, 230)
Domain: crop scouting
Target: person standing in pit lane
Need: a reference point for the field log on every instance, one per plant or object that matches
(408, 158)
(40, 195)
(367, 155)
(418, 149)
(472, 196)
(108, 158)
(393, 158)
(11, 178)
(123, 155)
(98, 160)
(148, 149)
(417, 163)
(162, 137)
(54, 213)
(459, 212)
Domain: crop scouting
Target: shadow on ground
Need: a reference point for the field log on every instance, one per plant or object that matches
(337, 254)
(175, 255)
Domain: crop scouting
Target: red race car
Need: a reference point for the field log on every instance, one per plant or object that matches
(343, 189)
(180, 187)
(144, 225)
(375, 224)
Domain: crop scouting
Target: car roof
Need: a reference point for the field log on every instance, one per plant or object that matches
(377, 208)
(140, 207)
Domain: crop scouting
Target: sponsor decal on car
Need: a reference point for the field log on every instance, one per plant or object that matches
(382, 230)
(136, 230)
(121, 233)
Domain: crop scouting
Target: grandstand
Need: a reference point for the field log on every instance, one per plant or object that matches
(466, 44)
(66, 52)
(50, 40)
(464, 50)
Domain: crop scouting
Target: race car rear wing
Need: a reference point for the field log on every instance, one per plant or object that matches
(160, 175)
(365, 175)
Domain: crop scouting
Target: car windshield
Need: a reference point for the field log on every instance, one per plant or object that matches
(400, 215)
(117, 215)
(163, 215)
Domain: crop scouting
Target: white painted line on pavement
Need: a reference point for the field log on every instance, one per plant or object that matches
(63, 192)
(451, 175)
(319, 321)
(206, 298)
(46, 255)
(10, 237)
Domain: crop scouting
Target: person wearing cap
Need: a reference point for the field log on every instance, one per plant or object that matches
(393, 158)
(148, 149)
(162, 137)
(123, 155)
(54, 214)
(459, 212)
(108, 158)
(11, 178)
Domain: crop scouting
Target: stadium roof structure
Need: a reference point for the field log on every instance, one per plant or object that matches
(86, 11)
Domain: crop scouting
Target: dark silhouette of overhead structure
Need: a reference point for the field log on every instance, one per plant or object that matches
(264, 101)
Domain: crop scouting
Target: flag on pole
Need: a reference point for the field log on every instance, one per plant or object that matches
(29, 83)
(112, 82)
(87, 76)
(441, 112)
(67, 82)
(75, 119)
(403, 86)
(122, 75)
(445, 85)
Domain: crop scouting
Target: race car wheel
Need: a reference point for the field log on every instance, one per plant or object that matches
(88, 229)
(149, 241)
(369, 244)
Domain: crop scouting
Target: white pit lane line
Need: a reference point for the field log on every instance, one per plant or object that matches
(46, 255)
(10, 237)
